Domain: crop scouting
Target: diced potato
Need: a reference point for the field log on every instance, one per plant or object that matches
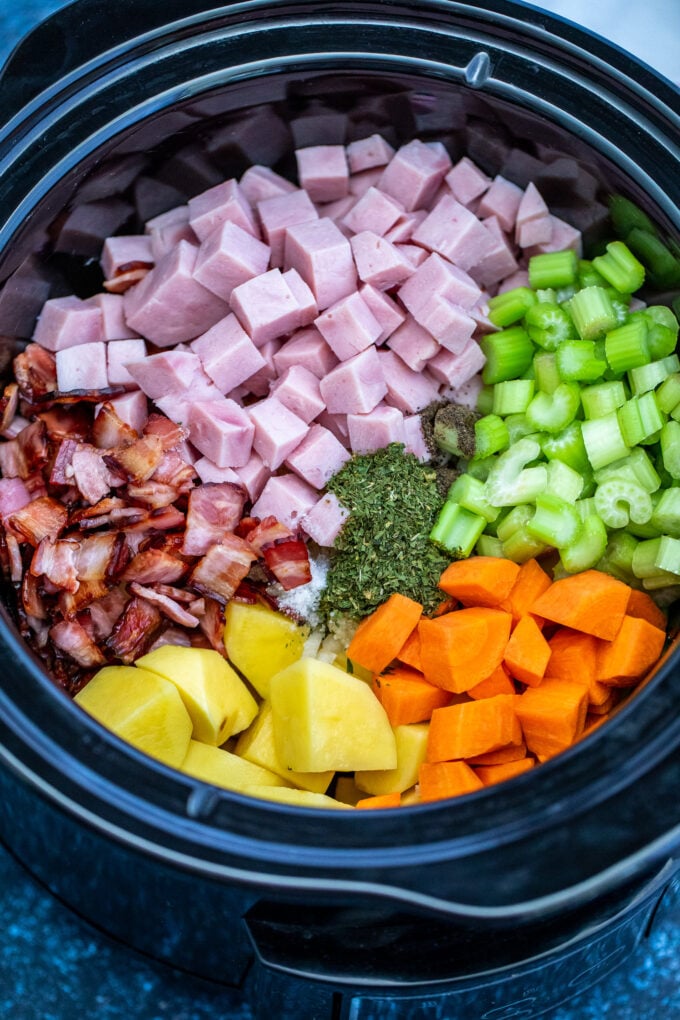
(215, 696)
(141, 707)
(257, 745)
(222, 768)
(302, 798)
(260, 642)
(325, 719)
(411, 746)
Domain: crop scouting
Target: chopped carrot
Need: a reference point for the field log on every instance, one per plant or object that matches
(382, 800)
(498, 682)
(446, 606)
(471, 728)
(513, 752)
(406, 695)
(643, 605)
(593, 602)
(480, 580)
(606, 704)
(552, 715)
(379, 637)
(531, 582)
(573, 655)
(527, 652)
(409, 653)
(490, 774)
(443, 779)
(634, 650)
(464, 647)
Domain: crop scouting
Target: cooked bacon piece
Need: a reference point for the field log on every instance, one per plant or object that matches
(155, 566)
(215, 509)
(211, 623)
(152, 494)
(106, 610)
(72, 422)
(15, 563)
(174, 470)
(245, 526)
(109, 431)
(41, 518)
(9, 402)
(169, 432)
(172, 636)
(72, 603)
(25, 455)
(62, 468)
(72, 639)
(179, 595)
(167, 518)
(135, 630)
(123, 279)
(91, 473)
(139, 460)
(57, 561)
(35, 369)
(289, 563)
(268, 531)
(219, 573)
(13, 495)
(108, 512)
(101, 557)
(173, 610)
(30, 596)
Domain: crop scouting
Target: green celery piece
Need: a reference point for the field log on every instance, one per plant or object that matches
(456, 530)
(586, 551)
(556, 522)
(577, 361)
(512, 396)
(603, 440)
(626, 215)
(620, 268)
(588, 276)
(661, 341)
(491, 436)
(521, 546)
(552, 412)
(617, 559)
(485, 400)
(657, 556)
(489, 545)
(637, 466)
(602, 398)
(640, 418)
(592, 312)
(454, 430)
(509, 306)
(563, 481)
(513, 519)
(510, 481)
(662, 265)
(621, 500)
(648, 377)
(545, 371)
(553, 269)
(469, 492)
(518, 427)
(666, 513)
(668, 556)
(668, 393)
(508, 354)
(670, 448)
(549, 325)
(662, 315)
(662, 582)
(585, 506)
(567, 446)
(626, 346)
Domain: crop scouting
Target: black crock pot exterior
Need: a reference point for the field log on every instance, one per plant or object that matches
(503, 903)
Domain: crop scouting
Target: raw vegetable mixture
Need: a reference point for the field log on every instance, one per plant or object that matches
(358, 490)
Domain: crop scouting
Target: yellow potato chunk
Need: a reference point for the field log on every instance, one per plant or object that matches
(411, 743)
(141, 707)
(222, 768)
(260, 642)
(325, 719)
(302, 798)
(215, 696)
(257, 745)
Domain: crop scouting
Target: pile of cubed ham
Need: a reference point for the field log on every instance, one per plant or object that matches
(284, 326)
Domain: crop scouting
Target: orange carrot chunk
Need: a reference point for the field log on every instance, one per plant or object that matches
(573, 655)
(643, 605)
(498, 682)
(446, 779)
(634, 650)
(527, 652)
(531, 582)
(472, 728)
(464, 647)
(490, 774)
(513, 752)
(552, 715)
(379, 638)
(382, 800)
(479, 580)
(592, 602)
(409, 653)
(407, 697)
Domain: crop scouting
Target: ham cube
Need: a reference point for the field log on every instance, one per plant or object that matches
(378, 261)
(562, 236)
(502, 200)
(355, 386)
(298, 389)
(277, 431)
(414, 441)
(466, 181)
(253, 476)
(414, 345)
(222, 431)
(168, 373)
(407, 390)
(532, 223)
(68, 322)
(114, 326)
(348, 326)
(438, 276)
(318, 457)
(208, 471)
(222, 203)
(414, 173)
(322, 255)
(403, 229)
(280, 212)
(82, 368)
(323, 172)
(229, 256)
(376, 430)
(286, 497)
(360, 183)
(227, 354)
(386, 311)
(454, 232)
(169, 306)
(119, 354)
(132, 408)
(367, 153)
(323, 522)
(260, 182)
(124, 251)
(454, 370)
(268, 307)
(374, 211)
(306, 347)
(259, 383)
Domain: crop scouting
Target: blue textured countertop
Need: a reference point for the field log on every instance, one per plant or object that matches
(55, 967)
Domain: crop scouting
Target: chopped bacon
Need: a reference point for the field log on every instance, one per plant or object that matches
(135, 630)
(72, 639)
(174, 470)
(268, 531)
(13, 495)
(167, 518)
(155, 566)
(139, 460)
(72, 422)
(35, 485)
(91, 473)
(15, 561)
(169, 432)
(102, 557)
(219, 573)
(35, 369)
(105, 611)
(211, 623)
(215, 509)
(71, 603)
(109, 430)
(25, 455)
(57, 561)
(152, 494)
(289, 563)
(124, 278)
(31, 598)
(41, 518)
(9, 402)
(62, 468)
(172, 636)
(245, 526)
(173, 610)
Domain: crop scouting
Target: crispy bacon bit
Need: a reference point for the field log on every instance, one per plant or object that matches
(57, 561)
(127, 275)
(13, 495)
(169, 432)
(268, 531)
(105, 611)
(167, 518)
(211, 623)
(35, 370)
(215, 509)
(9, 402)
(172, 636)
(72, 603)
(15, 561)
(30, 595)
(25, 455)
(102, 557)
(109, 430)
(72, 422)
(173, 610)
(289, 563)
(91, 473)
(155, 566)
(153, 494)
(173, 470)
(139, 460)
(41, 518)
(219, 573)
(72, 639)
(135, 630)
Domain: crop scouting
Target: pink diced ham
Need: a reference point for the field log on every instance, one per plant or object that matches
(532, 223)
(298, 389)
(277, 431)
(318, 457)
(168, 373)
(374, 211)
(359, 183)
(306, 347)
(413, 252)
(286, 497)
(122, 249)
(219, 204)
(228, 257)
(222, 431)
(323, 522)
(378, 261)
(562, 237)
(68, 322)
(387, 312)
(377, 429)
(414, 173)
(414, 345)
(501, 199)
(519, 278)
(227, 354)
(254, 476)
(454, 232)
(278, 213)
(367, 153)
(258, 384)
(402, 231)
(259, 182)
(82, 368)
(466, 181)
(208, 471)
(407, 390)
(498, 263)
(322, 255)
(114, 326)
(132, 408)
(414, 441)
(169, 306)
(337, 424)
(437, 276)
(267, 307)
(467, 393)
(323, 172)
(119, 354)
(355, 386)
(348, 326)
(455, 370)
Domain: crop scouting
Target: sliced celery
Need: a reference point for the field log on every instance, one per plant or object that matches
(602, 398)
(521, 546)
(545, 371)
(553, 269)
(563, 481)
(578, 361)
(489, 545)
(657, 555)
(661, 263)
(509, 306)
(586, 551)
(648, 377)
(552, 412)
(640, 418)
(588, 276)
(637, 465)
(666, 514)
(626, 346)
(670, 448)
(456, 529)
(549, 325)
(620, 268)
(567, 446)
(510, 482)
(668, 393)
(469, 492)
(508, 354)
(592, 312)
(555, 522)
(512, 396)
(621, 500)
(491, 436)
(603, 440)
